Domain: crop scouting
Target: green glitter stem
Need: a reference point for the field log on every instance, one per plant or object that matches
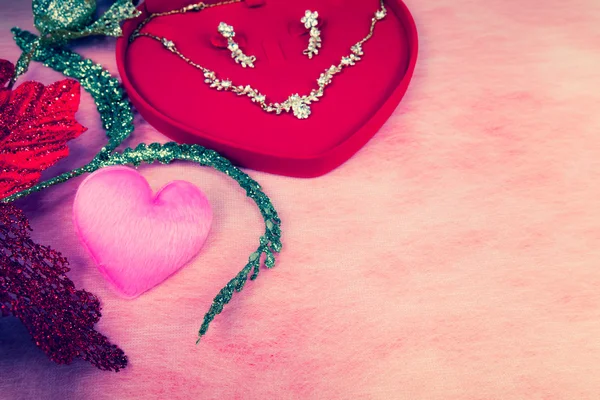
(23, 63)
(50, 182)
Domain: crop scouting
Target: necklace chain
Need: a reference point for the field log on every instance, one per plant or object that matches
(297, 104)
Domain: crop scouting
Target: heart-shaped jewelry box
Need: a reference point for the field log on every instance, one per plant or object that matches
(172, 96)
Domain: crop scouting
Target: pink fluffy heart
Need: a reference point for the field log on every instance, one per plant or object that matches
(138, 239)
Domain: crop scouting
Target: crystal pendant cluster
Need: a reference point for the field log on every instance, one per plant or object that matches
(310, 21)
(236, 53)
(297, 104)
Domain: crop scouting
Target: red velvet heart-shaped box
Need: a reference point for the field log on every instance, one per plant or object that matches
(171, 94)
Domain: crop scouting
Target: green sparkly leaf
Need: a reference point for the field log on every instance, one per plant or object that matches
(62, 15)
(270, 260)
(276, 246)
(274, 230)
(60, 26)
(109, 23)
(254, 256)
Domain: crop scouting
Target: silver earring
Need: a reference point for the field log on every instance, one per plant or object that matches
(236, 53)
(310, 21)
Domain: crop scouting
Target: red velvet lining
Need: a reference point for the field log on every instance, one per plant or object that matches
(171, 94)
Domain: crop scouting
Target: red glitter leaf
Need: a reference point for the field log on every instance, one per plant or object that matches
(35, 289)
(36, 122)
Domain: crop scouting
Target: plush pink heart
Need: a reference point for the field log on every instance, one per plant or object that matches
(138, 239)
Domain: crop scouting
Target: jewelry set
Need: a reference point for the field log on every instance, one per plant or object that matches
(310, 21)
(299, 105)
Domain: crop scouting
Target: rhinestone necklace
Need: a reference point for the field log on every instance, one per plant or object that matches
(295, 103)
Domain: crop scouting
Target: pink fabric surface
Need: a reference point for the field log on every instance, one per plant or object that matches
(455, 257)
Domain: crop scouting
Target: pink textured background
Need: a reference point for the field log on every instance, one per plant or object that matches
(455, 257)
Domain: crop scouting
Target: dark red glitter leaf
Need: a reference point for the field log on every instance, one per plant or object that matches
(35, 289)
(36, 122)
(7, 69)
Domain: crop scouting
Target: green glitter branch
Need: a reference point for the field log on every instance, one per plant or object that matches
(117, 119)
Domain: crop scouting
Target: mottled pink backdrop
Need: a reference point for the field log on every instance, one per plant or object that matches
(457, 256)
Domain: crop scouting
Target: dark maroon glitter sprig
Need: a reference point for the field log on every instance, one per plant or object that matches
(34, 288)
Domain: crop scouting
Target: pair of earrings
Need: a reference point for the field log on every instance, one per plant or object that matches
(310, 21)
